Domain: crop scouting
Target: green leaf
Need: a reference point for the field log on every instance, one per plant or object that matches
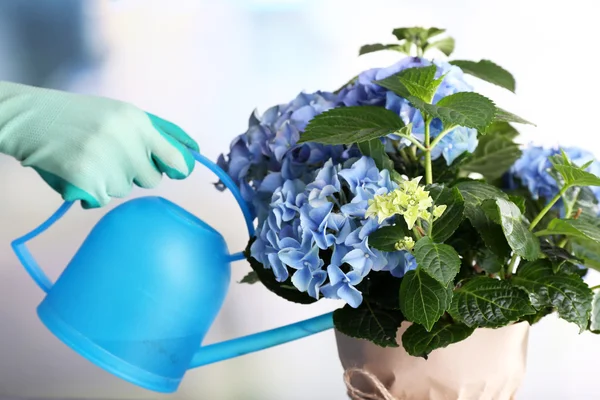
(501, 128)
(450, 220)
(251, 278)
(489, 262)
(366, 322)
(347, 125)
(489, 303)
(423, 300)
(557, 255)
(516, 230)
(445, 45)
(386, 237)
(568, 293)
(487, 71)
(416, 34)
(595, 318)
(418, 81)
(468, 109)
(419, 343)
(520, 202)
(493, 156)
(574, 176)
(440, 261)
(572, 227)
(588, 251)
(505, 116)
(374, 148)
(371, 48)
(475, 193)
(285, 289)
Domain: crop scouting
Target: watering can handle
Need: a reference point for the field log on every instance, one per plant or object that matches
(41, 279)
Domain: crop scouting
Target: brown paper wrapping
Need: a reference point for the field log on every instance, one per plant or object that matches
(489, 365)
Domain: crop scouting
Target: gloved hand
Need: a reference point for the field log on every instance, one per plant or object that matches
(90, 148)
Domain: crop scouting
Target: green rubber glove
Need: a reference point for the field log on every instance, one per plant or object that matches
(90, 148)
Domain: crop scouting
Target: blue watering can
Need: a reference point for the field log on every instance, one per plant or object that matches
(141, 293)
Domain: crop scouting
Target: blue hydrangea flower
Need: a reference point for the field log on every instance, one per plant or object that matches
(268, 150)
(532, 170)
(342, 286)
(365, 92)
(307, 220)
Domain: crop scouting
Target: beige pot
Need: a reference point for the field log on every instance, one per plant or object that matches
(489, 365)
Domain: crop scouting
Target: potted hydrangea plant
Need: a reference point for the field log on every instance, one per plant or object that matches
(406, 195)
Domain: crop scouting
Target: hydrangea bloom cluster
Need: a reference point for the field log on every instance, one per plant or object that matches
(533, 170)
(267, 154)
(365, 92)
(318, 231)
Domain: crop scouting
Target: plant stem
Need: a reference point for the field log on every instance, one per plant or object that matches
(441, 136)
(563, 243)
(513, 262)
(595, 287)
(428, 167)
(413, 140)
(543, 213)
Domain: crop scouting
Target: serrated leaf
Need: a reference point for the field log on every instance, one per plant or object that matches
(418, 342)
(386, 237)
(493, 156)
(423, 300)
(418, 81)
(416, 34)
(250, 278)
(572, 227)
(347, 125)
(568, 293)
(421, 82)
(489, 262)
(475, 193)
(376, 150)
(501, 128)
(588, 251)
(557, 255)
(371, 48)
(284, 289)
(487, 71)
(519, 202)
(450, 220)
(369, 322)
(468, 109)
(595, 318)
(440, 261)
(505, 116)
(445, 45)
(574, 176)
(489, 303)
(516, 230)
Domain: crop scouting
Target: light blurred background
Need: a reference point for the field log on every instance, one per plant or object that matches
(206, 64)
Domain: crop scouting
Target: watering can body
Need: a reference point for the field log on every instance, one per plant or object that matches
(146, 310)
(142, 291)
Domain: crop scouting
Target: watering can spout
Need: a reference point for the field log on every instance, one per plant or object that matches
(260, 341)
(144, 288)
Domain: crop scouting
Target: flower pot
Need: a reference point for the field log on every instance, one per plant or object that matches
(489, 365)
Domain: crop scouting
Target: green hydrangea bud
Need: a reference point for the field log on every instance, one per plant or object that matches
(406, 244)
